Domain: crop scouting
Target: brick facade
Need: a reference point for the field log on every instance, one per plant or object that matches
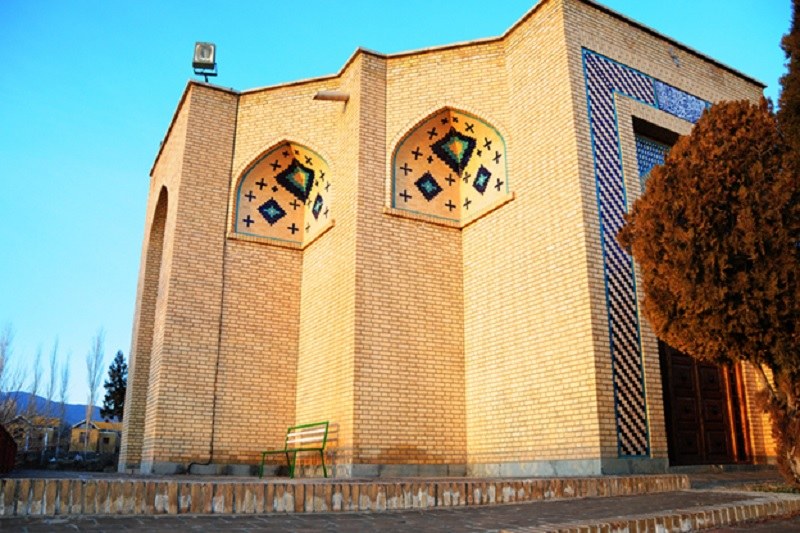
(436, 341)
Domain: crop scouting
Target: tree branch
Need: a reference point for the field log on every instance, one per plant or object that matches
(773, 394)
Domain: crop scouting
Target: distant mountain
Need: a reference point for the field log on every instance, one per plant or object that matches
(73, 413)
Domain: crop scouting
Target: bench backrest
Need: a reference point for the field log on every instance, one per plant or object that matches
(307, 436)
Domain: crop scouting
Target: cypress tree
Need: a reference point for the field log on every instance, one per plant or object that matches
(115, 385)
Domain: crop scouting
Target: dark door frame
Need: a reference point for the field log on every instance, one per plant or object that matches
(734, 406)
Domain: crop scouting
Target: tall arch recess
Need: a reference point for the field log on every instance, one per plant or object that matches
(451, 166)
(142, 346)
(284, 196)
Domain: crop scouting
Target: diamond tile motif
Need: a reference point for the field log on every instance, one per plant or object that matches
(271, 211)
(317, 207)
(482, 178)
(297, 179)
(455, 149)
(428, 186)
(606, 80)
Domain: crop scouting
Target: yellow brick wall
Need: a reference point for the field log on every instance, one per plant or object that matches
(262, 315)
(164, 178)
(408, 400)
(325, 386)
(258, 357)
(762, 444)
(530, 389)
(139, 367)
(185, 339)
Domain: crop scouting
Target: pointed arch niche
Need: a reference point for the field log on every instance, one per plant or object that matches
(450, 168)
(284, 197)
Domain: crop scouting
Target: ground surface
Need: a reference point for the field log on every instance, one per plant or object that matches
(472, 519)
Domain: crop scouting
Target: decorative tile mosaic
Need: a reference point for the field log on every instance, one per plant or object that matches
(605, 81)
(273, 198)
(451, 166)
(678, 103)
(649, 153)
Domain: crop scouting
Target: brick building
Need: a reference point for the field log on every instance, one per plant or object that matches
(429, 265)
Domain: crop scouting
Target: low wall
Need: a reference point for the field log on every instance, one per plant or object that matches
(50, 497)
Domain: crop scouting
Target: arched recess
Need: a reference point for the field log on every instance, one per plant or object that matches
(284, 196)
(451, 166)
(137, 392)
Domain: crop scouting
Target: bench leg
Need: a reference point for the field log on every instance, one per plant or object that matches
(291, 463)
(324, 470)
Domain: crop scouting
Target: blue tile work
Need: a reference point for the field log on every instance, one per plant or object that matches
(318, 203)
(482, 179)
(271, 211)
(649, 153)
(678, 103)
(428, 186)
(605, 80)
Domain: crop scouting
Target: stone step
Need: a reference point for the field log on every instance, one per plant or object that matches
(753, 507)
(149, 496)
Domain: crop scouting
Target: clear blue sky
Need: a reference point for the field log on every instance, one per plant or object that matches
(87, 90)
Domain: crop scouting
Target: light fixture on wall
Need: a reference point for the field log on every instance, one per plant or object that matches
(332, 96)
(674, 55)
(205, 60)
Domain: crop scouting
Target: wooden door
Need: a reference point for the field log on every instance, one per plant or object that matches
(702, 411)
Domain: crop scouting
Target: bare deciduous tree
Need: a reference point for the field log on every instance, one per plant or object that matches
(6, 336)
(8, 404)
(51, 380)
(94, 370)
(49, 392)
(11, 377)
(63, 385)
(36, 381)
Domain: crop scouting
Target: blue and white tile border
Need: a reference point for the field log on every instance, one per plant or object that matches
(606, 79)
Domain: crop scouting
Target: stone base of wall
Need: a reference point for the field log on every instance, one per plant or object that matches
(617, 466)
(576, 467)
(560, 468)
(167, 468)
(395, 471)
(50, 497)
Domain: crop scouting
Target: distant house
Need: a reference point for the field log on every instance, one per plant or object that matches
(104, 437)
(35, 433)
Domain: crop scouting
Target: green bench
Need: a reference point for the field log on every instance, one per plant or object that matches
(304, 438)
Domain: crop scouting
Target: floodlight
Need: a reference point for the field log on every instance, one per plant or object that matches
(205, 59)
